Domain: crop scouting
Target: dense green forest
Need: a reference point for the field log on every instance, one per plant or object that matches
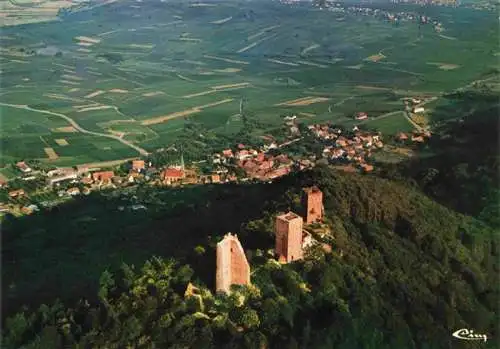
(404, 271)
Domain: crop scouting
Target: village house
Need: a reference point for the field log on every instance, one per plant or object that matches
(138, 165)
(16, 193)
(228, 153)
(53, 172)
(417, 110)
(21, 165)
(243, 154)
(215, 178)
(220, 170)
(337, 153)
(73, 191)
(361, 116)
(279, 172)
(103, 176)
(62, 177)
(132, 176)
(341, 142)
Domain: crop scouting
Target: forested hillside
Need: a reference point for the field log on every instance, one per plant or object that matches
(404, 272)
(462, 169)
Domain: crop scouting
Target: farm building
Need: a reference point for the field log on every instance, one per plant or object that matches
(21, 165)
(16, 193)
(361, 116)
(138, 165)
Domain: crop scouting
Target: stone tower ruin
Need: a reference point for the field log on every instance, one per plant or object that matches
(232, 265)
(312, 204)
(288, 229)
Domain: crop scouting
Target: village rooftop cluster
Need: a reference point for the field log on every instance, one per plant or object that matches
(239, 164)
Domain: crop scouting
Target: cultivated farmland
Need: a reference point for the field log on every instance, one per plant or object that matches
(107, 83)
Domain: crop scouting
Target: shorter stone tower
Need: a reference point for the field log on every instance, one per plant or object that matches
(232, 265)
(288, 231)
(312, 203)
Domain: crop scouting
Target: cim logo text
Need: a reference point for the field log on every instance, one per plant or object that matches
(469, 335)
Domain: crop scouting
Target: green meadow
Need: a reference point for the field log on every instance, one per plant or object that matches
(118, 68)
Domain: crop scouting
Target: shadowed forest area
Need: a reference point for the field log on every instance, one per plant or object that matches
(463, 172)
(400, 263)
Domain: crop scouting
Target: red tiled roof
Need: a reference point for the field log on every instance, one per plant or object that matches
(173, 173)
(138, 164)
(103, 175)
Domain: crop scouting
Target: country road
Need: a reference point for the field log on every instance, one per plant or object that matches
(78, 127)
(417, 126)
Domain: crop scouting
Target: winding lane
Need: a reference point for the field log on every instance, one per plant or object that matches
(78, 127)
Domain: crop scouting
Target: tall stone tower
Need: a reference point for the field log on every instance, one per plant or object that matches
(288, 230)
(232, 264)
(312, 203)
